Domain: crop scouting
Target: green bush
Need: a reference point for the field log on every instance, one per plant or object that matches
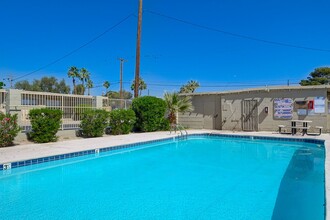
(150, 114)
(8, 129)
(45, 124)
(94, 122)
(165, 124)
(122, 121)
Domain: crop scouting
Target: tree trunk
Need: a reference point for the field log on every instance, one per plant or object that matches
(172, 117)
(74, 86)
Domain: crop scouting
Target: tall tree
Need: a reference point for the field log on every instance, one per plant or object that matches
(80, 89)
(73, 73)
(62, 87)
(106, 85)
(45, 84)
(89, 85)
(24, 85)
(2, 85)
(175, 104)
(142, 85)
(84, 75)
(190, 87)
(319, 76)
(116, 95)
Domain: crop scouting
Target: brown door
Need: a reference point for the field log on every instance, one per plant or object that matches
(250, 115)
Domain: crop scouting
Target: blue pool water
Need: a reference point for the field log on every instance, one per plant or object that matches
(198, 178)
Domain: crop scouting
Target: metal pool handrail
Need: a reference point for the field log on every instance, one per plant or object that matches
(181, 128)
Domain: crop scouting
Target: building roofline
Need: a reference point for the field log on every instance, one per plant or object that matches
(266, 88)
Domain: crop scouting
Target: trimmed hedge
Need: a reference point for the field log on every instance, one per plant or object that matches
(94, 122)
(8, 129)
(45, 124)
(122, 121)
(150, 114)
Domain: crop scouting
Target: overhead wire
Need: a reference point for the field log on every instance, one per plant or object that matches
(77, 49)
(235, 34)
(217, 85)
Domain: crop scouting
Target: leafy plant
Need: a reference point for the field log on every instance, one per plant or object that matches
(175, 104)
(142, 85)
(73, 73)
(45, 84)
(8, 129)
(2, 85)
(320, 76)
(106, 85)
(94, 122)
(45, 124)
(122, 121)
(190, 87)
(150, 113)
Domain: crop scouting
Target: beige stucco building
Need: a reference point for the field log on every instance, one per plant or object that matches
(260, 109)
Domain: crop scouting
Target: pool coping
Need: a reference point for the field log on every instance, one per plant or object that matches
(250, 135)
(39, 160)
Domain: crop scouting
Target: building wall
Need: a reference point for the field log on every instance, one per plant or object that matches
(206, 114)
(232, 108)
(224, 111)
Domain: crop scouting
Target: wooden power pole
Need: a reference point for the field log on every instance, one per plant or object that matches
(122, 60)
(137, 63)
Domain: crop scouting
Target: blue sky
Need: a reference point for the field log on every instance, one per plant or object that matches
(36, 33)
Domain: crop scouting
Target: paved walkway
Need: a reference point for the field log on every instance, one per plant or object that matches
(31, 151)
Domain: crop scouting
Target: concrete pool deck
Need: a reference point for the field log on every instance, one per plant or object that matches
(32, 151)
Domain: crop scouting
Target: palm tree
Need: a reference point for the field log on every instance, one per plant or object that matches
(80, 89)
(190, 87)
(176, 104)
(84, 76)
(106, 85)
(142, 85)
(89, 85)
(73, 73)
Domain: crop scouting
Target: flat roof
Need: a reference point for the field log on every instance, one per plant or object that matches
(262, 89)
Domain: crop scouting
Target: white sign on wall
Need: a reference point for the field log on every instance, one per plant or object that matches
(283, 108)
(319, 105)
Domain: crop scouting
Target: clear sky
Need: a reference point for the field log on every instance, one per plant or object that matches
(208, 46)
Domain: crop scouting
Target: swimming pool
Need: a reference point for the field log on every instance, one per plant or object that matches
(203, 177)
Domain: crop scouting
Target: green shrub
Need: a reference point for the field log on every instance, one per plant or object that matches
(8, 129)
(122, 121)
(94, 122)
(165, 124)
(150, 113)
(45, 124)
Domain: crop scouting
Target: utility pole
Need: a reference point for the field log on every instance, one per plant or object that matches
(122, 60)
(137, 62)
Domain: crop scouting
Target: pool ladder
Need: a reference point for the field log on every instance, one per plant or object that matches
(183, 132)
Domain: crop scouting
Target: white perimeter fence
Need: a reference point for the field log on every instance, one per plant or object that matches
(21, 102)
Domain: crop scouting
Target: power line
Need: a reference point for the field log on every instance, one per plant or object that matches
(237, 35)
(77, 49)
(223, 85)
(220, 85)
